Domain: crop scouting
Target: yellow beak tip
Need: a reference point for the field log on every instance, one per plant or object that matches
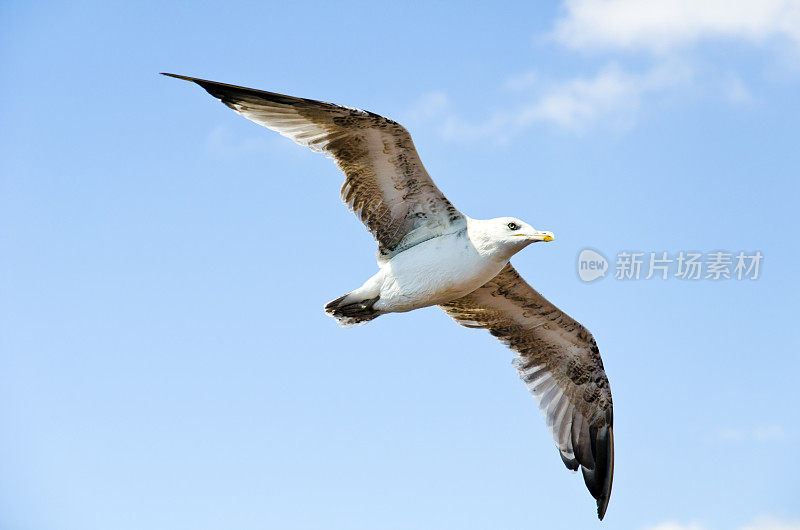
(548, 238)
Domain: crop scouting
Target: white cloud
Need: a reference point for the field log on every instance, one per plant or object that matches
(222, 142)
(663, 25)
(523, 81)
(612, 95)
(676, 526)
(735, 89)
(766, 433)
(759, 433)
(772, 523)
(761, 523)
(428, 106)
(498, 126)
(670, 28)
(729, 434)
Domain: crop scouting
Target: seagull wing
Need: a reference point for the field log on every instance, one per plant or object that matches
(560, 364)
(386, 185)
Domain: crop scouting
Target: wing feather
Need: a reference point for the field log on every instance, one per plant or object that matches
(560, 364)
(386, 185)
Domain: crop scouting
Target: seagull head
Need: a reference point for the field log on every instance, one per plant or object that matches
(509, 235)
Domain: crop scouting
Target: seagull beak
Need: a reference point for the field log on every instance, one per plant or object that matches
(542, 236)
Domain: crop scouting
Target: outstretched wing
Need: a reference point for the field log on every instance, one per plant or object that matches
(560, 364)
(386, 184)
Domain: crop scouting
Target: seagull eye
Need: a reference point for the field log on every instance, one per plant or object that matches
(513, 226)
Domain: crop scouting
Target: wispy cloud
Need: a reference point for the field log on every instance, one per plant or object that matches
(428, 106)
(735, 90)
(222, 142)
(669, 525)
(523, 81)
(772, 523)
(613, 95)
(761, 523)
(765, 433)
(664, 25)
(759, 433)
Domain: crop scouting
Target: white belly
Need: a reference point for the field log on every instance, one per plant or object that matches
(434, 272)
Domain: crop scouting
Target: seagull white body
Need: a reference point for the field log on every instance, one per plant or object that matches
(445, 267)
(429, 253)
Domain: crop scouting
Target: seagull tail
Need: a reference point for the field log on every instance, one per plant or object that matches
(349, 312)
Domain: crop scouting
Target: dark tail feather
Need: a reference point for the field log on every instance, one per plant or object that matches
(352, 313)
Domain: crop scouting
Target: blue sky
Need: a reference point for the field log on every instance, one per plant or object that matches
(166, 362)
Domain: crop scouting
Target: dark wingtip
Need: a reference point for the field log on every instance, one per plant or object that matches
(229, 94)
(218, 90)
(205, 83)
(593, 448)
(571, 463)
(176, 76)
(602, 501)
(599, 479)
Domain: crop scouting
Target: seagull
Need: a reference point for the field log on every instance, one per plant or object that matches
(429, 253)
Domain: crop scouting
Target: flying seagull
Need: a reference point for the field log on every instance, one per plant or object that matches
(429, 253)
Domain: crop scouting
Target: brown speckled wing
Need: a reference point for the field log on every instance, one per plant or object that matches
(386, 185)
(560, 364)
